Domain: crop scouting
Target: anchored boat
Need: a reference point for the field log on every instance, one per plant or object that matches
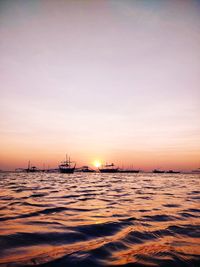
(86, 169)
(172, 171)
(158, 171)
(196, 171)
(31, 168)
(67, 166)
(110, 168)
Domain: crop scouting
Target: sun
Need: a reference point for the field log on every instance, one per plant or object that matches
(97, 163)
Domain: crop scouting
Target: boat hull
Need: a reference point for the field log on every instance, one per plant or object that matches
(33, 169)
(66, 170)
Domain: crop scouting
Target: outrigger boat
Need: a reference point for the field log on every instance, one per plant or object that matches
(110, 168)
(67, 166)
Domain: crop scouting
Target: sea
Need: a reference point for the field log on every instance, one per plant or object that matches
(96, 220)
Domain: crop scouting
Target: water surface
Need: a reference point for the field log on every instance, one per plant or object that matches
(99, 219)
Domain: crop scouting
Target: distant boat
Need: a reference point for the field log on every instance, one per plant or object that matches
(67, 166)
(171, 171)
(158, 171)
(31, 168)
(196, 171)
(86, 169)
(109, 168)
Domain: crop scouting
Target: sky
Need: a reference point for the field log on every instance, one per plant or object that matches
(115, 81)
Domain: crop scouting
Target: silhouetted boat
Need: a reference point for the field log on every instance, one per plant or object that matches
(31, 168)
(67, 166)
(110, 168)
(158, 171)
(86, 169)
(196, 171)
(171, 171)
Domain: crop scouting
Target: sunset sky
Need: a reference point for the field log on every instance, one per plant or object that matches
(116, 81)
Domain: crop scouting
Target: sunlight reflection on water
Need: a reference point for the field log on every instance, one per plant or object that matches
(99, 219)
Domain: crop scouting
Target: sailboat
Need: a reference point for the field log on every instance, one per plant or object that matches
(67, 166)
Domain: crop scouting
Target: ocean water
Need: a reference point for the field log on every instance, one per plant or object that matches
(94, 219)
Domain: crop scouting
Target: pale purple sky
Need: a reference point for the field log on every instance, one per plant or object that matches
(113, 80)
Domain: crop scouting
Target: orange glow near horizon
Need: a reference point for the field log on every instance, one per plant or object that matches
(122, 89)
(97, 163)
(144, 160)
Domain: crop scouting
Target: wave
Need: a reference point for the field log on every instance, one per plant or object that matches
(99, 220)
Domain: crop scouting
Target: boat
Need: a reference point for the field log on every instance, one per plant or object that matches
(67, 166)
(109, 168)
(158, 171)
(196, 171)
(86, 169)
(171, 171)
(31, 168)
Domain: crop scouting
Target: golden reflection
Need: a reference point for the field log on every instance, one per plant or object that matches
(133, 217)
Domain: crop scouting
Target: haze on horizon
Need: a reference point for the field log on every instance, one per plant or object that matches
(111, 80)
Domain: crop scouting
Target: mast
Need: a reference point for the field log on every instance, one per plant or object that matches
(29, 164)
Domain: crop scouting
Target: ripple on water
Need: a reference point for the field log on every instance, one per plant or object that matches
(96, 220)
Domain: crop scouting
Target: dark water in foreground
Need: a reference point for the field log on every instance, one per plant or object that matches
(99, 219)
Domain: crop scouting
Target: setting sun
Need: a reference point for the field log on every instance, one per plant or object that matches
(97, 163)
